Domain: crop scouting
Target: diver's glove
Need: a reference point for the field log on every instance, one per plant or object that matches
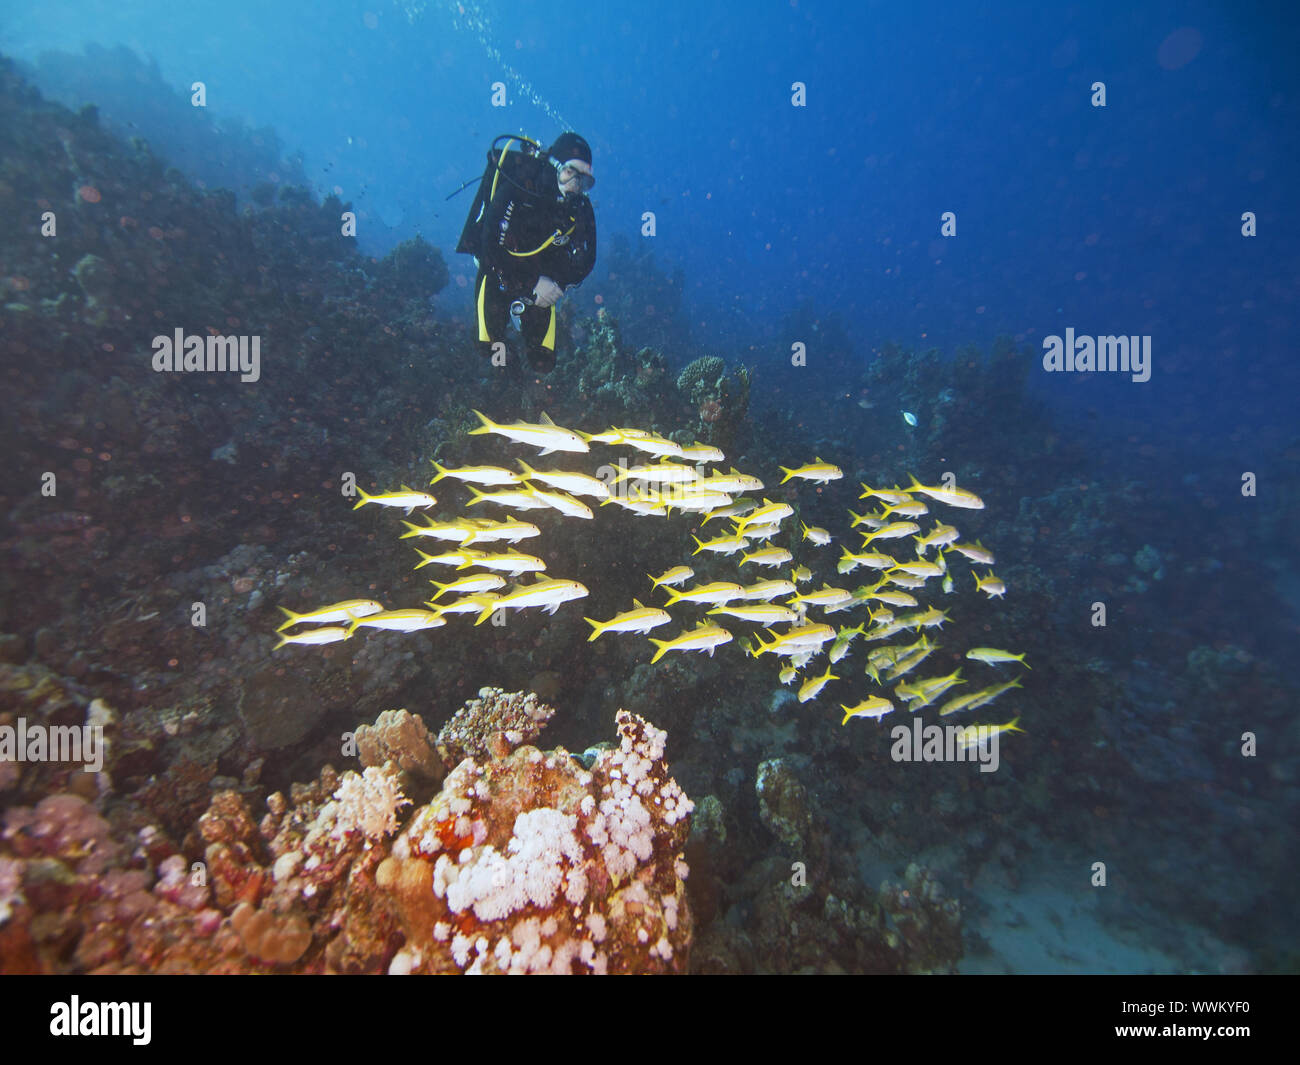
(546, 293)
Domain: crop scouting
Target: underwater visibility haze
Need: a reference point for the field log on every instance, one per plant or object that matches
(787, 487)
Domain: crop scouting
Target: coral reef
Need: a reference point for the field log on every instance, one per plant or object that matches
(783, 803)
(531, 863)
(613, 382)
(721, 401)
(523, 861)
(494, 723)
(413, 270)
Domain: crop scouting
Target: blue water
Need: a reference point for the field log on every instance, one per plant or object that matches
(822, 224)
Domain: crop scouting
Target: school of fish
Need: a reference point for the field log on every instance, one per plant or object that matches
(893, 634)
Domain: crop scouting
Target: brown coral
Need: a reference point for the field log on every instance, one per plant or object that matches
(495, 720)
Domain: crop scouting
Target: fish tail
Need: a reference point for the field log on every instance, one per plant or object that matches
(478, 496)
(487, 426)
(283, 640)
(290, 619)
(673, 596)
(699, 548)
(415, 531)
(356, 622)
(788, 473)
(365, 498)
(663, 647)
(847, 714)
(597, 628)
(426, 558)
(442, 471)
(916, 485)
(1013, 726)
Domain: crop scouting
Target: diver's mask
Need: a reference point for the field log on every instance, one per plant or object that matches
(575, 176)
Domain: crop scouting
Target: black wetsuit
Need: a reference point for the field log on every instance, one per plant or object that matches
(521, 228)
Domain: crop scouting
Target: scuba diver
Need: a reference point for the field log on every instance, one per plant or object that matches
(532, 232)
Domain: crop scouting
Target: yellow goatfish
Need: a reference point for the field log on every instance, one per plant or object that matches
(939, 536)
(447, 558)
(407, 499)
(702, 638)
(872, 706)
(578, 484)
(547, 435)
(812, 687)
(717, 592)
(767, 590)
(975, 735)
(819, 536)
(992, 656)
(723, 545)
(641, 620)
(805, 638)
(987, 695)
(548, 594)
(525, 498)
(889, 495)
(768, 512)
(892, 531)
(991, 585)
(849, 561)
(818, 471)
(676, 575)
(976, 552)
(823, 596)
(764, 614)
(735, 510)
(347, 610)
(702, 453)
(564, 503)
(458, 531)
(332, 634)
(650, 443)
(735, 481)
(484, 475)
(399, 621)
(954, 497)
(475, 582)
(767, 556)
(920, 568)
(511, 562)
(913, 508)
(665, 472)
(511, 530)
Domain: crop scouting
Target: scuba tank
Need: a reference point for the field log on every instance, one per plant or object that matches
(471, 236)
